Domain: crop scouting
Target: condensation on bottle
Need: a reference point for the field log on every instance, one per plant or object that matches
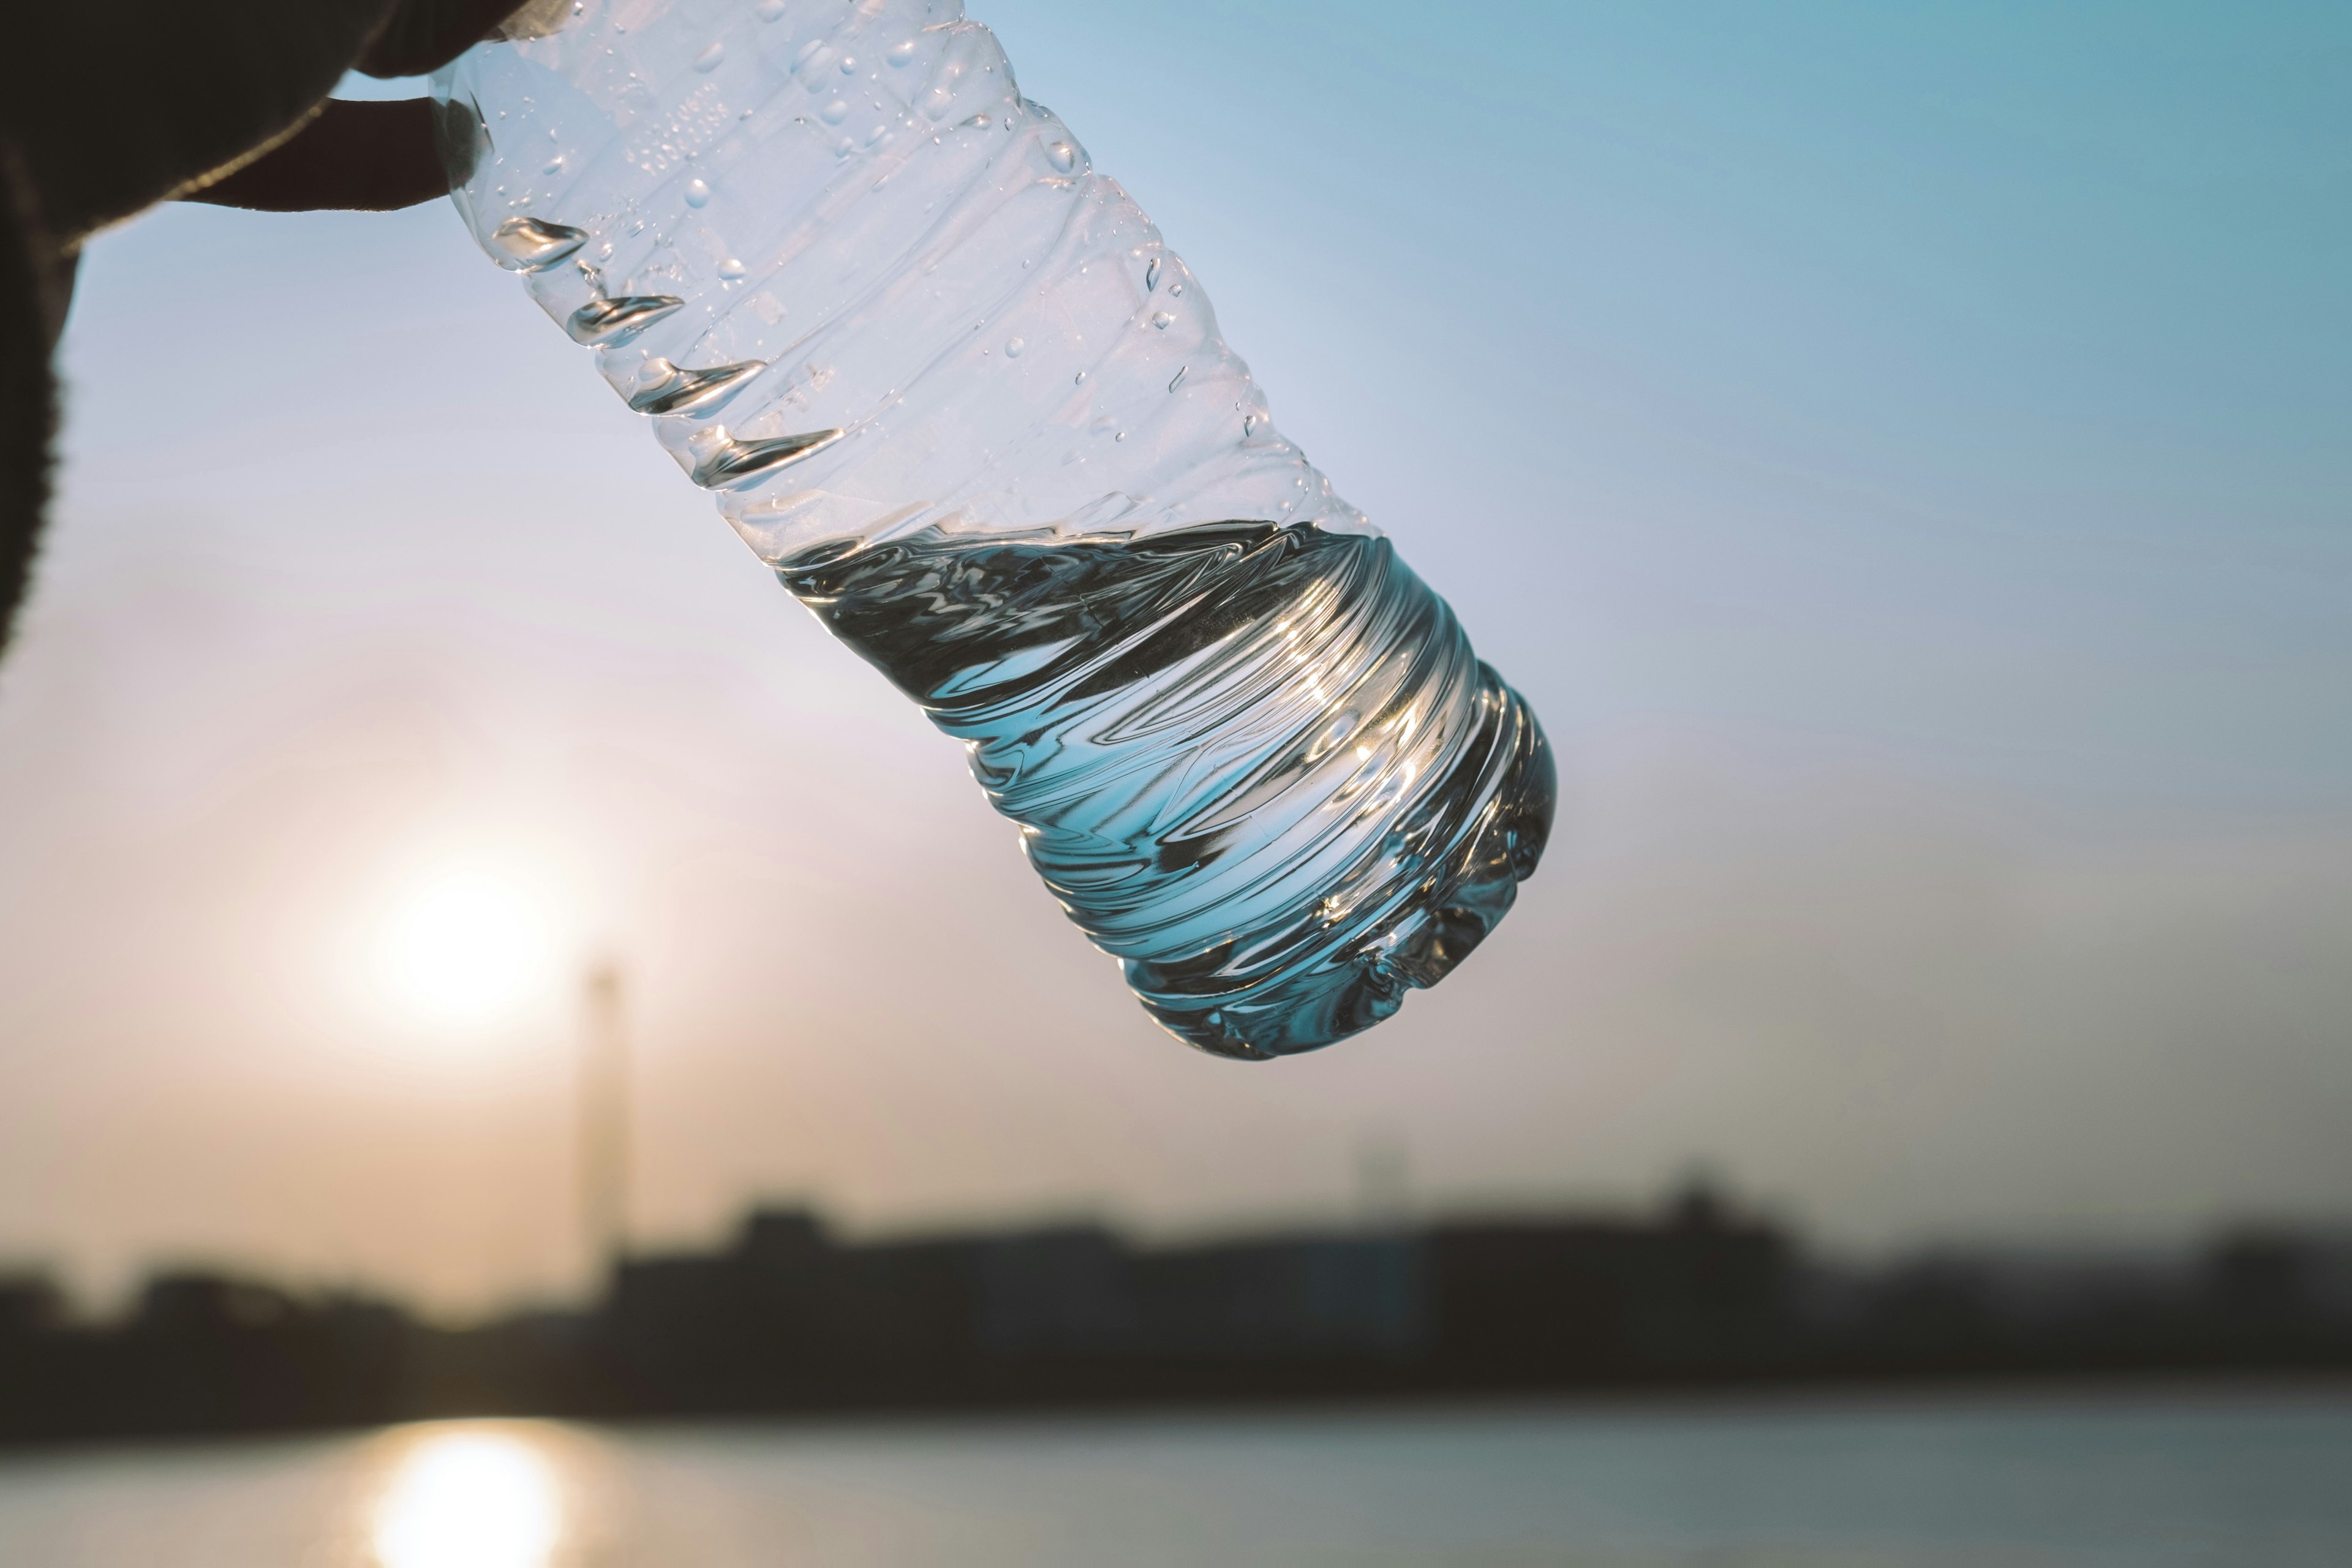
(948, 381)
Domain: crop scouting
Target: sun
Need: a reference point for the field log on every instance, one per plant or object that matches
(466, 946)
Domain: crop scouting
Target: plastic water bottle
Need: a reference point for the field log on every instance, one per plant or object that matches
(948, 382)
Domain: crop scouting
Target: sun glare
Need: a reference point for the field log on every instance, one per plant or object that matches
(465, 948)
(469, 1499)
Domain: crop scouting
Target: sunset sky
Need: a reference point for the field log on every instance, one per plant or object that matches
(1900, 452)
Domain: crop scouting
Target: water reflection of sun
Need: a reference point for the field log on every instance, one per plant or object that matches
(469, 1497)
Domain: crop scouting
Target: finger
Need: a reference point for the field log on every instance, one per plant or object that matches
(363, 157)
(114, 104)
(422, 35)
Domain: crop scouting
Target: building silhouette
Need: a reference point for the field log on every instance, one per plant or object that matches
(789, 1317)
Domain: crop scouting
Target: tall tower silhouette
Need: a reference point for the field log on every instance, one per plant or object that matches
(604, 1120)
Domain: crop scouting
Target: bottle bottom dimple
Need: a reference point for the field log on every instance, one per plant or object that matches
(1438, 923)
(1258, 764)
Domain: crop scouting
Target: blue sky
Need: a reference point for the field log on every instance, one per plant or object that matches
(1898, 450)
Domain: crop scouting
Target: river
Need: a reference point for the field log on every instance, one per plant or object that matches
(2240, 1477)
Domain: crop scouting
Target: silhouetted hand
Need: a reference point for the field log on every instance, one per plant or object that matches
(106, 108)
(361, 156)
(373, 157)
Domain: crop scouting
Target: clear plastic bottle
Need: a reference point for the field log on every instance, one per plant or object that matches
(948, 381)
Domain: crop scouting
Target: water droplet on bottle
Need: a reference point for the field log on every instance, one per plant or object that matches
(1078, 380)
(807, 52)
(979, 121)
(1177, 380)
(553, 165)
(532, 245)
(708, 60)
(1012, 348)
(1175, 291)
(900, 53)
(730, 268)
(697, 193)
(1151, 276)
(1121, 437)
(769, 10)
(1105, 422)
(1161, 320)
(849, 65)
(1063, 155)
(834, 113)
(601, 322)
(1249, 423)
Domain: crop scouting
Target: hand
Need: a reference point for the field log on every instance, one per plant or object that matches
(221, 99)
(359, 156)
(372, 156)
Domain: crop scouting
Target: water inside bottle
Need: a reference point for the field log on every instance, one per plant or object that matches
(1258, 764)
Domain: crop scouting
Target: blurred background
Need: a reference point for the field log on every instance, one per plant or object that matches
(1899, 452)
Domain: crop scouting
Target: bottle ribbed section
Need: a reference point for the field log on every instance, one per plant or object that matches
(950, 383)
